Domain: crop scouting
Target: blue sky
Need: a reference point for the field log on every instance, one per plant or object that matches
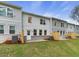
(58, 9)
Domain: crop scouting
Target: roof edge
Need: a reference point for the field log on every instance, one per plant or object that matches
(10, 5)
(35, 14)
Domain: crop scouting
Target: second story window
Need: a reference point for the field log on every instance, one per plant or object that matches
(6, 12)
(2, 11)
(62, 24)
(9, 12)
(67, 25)
(30, 19)
(42, 21)
(55, 24)
(1, 29)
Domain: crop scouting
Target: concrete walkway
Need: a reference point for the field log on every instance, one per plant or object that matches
(36, 40)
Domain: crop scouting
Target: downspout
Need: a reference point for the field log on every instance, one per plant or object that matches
(22, 33)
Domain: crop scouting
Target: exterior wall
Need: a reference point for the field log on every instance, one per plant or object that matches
(8, 21)
(77, 29)
(36, 25)
(67, 27)
(16, 21)
(70, 28)
(58, 27)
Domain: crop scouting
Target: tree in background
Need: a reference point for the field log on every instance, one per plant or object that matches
(75, 13)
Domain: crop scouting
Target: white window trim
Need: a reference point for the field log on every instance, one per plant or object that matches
(5, 9)
(7, 12)
(9, 29)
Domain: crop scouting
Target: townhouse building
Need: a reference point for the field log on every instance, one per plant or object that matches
(36, 26)
(10, 21)
(70, 27)
(63, 27)
(77, 29)
(13, 20)
(59, 25)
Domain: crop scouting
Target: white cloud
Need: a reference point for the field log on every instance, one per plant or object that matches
(72, 21)
(65, 8)
(48, 14)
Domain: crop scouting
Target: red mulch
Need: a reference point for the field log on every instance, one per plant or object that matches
(10, 42)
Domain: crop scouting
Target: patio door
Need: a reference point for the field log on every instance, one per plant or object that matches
(28, 35)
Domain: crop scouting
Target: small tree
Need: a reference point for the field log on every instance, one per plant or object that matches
(75, 13)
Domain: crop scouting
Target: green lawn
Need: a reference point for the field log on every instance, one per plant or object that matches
(48, 48)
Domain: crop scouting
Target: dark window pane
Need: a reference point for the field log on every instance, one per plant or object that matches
(55, 24)
(1, 31)
(28, 32)
(45, 32)
(9, 12)
(40, 32)
(35, 32)
(62, 24)
(2, 11)
(29, 19)
(41, 21)
(12, 31)
(44, 22)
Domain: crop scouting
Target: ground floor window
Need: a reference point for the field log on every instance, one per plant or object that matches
(35, 32)
(40, 32)
(28, 32)
(1, 29)
(45, 32)
(12, 30)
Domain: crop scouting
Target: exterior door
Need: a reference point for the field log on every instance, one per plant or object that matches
(28, 35)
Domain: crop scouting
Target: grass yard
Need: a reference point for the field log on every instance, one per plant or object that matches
(48, 48)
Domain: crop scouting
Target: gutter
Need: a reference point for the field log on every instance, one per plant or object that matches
(22, 30)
